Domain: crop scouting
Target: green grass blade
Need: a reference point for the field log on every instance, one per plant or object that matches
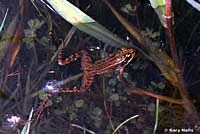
(27, 126)
(4, 19)
(85, 23)
(124, 122)
(156, 120)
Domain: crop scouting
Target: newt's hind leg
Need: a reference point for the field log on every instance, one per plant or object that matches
(88, 71)
(69, 59)
(88, 76)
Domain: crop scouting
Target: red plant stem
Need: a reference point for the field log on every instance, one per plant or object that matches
(168, 15)
(187, 104)
(160, 97)
(14, 46)
(168, 8)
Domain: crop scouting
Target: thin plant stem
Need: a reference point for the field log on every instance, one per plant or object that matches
(106, 108)
(157, 113)
(83, 128)
(124, 122)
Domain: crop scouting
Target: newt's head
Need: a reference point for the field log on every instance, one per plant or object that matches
(128, 55)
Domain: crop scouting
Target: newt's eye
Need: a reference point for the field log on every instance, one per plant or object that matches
(128, 55)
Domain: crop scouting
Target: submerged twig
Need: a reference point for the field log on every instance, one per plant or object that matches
(160, 97)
